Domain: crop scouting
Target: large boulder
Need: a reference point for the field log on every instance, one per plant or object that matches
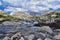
(6, 38)
(46, 29)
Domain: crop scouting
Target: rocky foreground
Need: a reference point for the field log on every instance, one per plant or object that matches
(25, 30)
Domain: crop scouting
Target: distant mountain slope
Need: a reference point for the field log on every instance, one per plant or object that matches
(50, 12)
(48, 16)
(21, 15)
(5, 17)
(33, 13)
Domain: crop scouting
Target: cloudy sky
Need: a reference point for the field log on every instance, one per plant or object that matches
(29, 5)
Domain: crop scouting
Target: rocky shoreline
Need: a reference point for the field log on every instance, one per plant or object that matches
(25, 30)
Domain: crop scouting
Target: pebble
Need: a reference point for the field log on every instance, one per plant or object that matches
(47, 39)
(21, 38)
(31, 37)
(39, 39)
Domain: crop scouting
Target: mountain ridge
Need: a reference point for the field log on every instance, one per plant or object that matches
(22, 15)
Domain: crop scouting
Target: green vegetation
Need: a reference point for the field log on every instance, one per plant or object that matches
(6, 17)
(37, 18)
(49, 17)
(57, 17)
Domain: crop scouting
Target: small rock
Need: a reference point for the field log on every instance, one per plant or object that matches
(57, 37)
(40, 35)
(31, 37)
(25, 37)
(21, 38)
(47, 39)
(39, 39)
(58, 30)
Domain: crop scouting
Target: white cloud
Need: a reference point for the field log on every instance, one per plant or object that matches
(32, 5)
(8, 9)
(13, 9)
